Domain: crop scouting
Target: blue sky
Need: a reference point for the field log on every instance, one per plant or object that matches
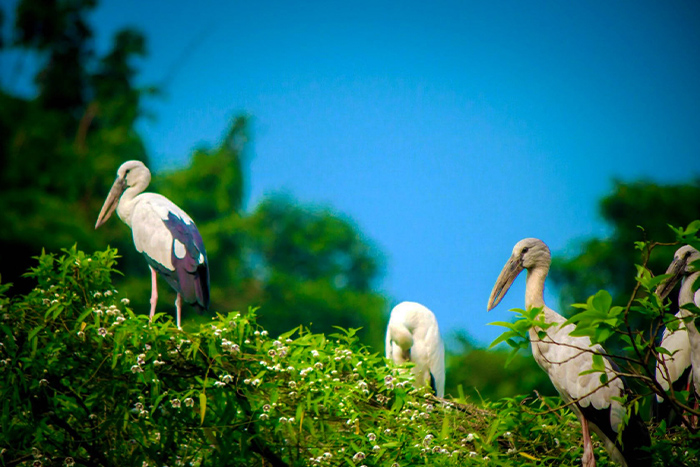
(447, 131)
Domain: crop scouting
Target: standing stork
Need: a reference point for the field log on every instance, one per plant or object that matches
(685, 341)
(413, 335)
(563, 357)
(165, 235)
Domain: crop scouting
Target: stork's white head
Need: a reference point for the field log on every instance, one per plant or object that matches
(529, 253)
(131, 174)
(134, 173)
(684, 263)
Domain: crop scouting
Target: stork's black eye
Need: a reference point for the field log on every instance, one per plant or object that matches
(525, 250)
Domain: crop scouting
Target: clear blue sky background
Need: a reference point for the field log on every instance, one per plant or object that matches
(447, 131)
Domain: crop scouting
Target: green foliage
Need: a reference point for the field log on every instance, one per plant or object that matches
(517, 336)
(85, 381)
(483, 374)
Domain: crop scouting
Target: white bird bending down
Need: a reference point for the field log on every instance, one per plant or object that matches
(563, 357)
(413, 335)
(165, 235)
(685, 341)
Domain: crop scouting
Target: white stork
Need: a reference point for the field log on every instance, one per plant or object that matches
(413, 335)
(563, 357)
(684, 343)
(165, 235)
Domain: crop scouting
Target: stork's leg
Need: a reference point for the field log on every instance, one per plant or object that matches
(178, 306)
(154, 291)
(588, 459)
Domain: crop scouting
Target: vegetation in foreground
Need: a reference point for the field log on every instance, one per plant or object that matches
(85, 381)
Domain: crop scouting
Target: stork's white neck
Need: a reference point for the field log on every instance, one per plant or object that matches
(127, 201)
(534, 287)
(686, 294)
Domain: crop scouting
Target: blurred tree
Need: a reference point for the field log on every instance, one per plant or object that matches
(608, 263)
(300, 265)
(314, 267)
(59, 149)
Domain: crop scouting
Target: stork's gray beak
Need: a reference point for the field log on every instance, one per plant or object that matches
(505, 279)
(676, 269)
(111, 202)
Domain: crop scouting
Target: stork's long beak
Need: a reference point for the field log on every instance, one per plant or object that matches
(505, 279)
(112, 201)
(676, 269)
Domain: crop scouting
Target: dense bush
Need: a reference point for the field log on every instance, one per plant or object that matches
(87, 382)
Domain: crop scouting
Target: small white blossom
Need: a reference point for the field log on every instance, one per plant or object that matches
(175, 403)
(226, 378)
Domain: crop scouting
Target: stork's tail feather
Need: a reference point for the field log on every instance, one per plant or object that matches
(635, 443)
(201, 287)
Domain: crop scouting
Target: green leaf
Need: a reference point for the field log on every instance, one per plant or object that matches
(503, 337)
(202, 406)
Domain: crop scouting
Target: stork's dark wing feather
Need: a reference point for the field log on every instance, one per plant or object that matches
(191, 267)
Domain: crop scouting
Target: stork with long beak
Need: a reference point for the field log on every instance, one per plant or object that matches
(684, 343)
(165, 235)
(564, 357)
